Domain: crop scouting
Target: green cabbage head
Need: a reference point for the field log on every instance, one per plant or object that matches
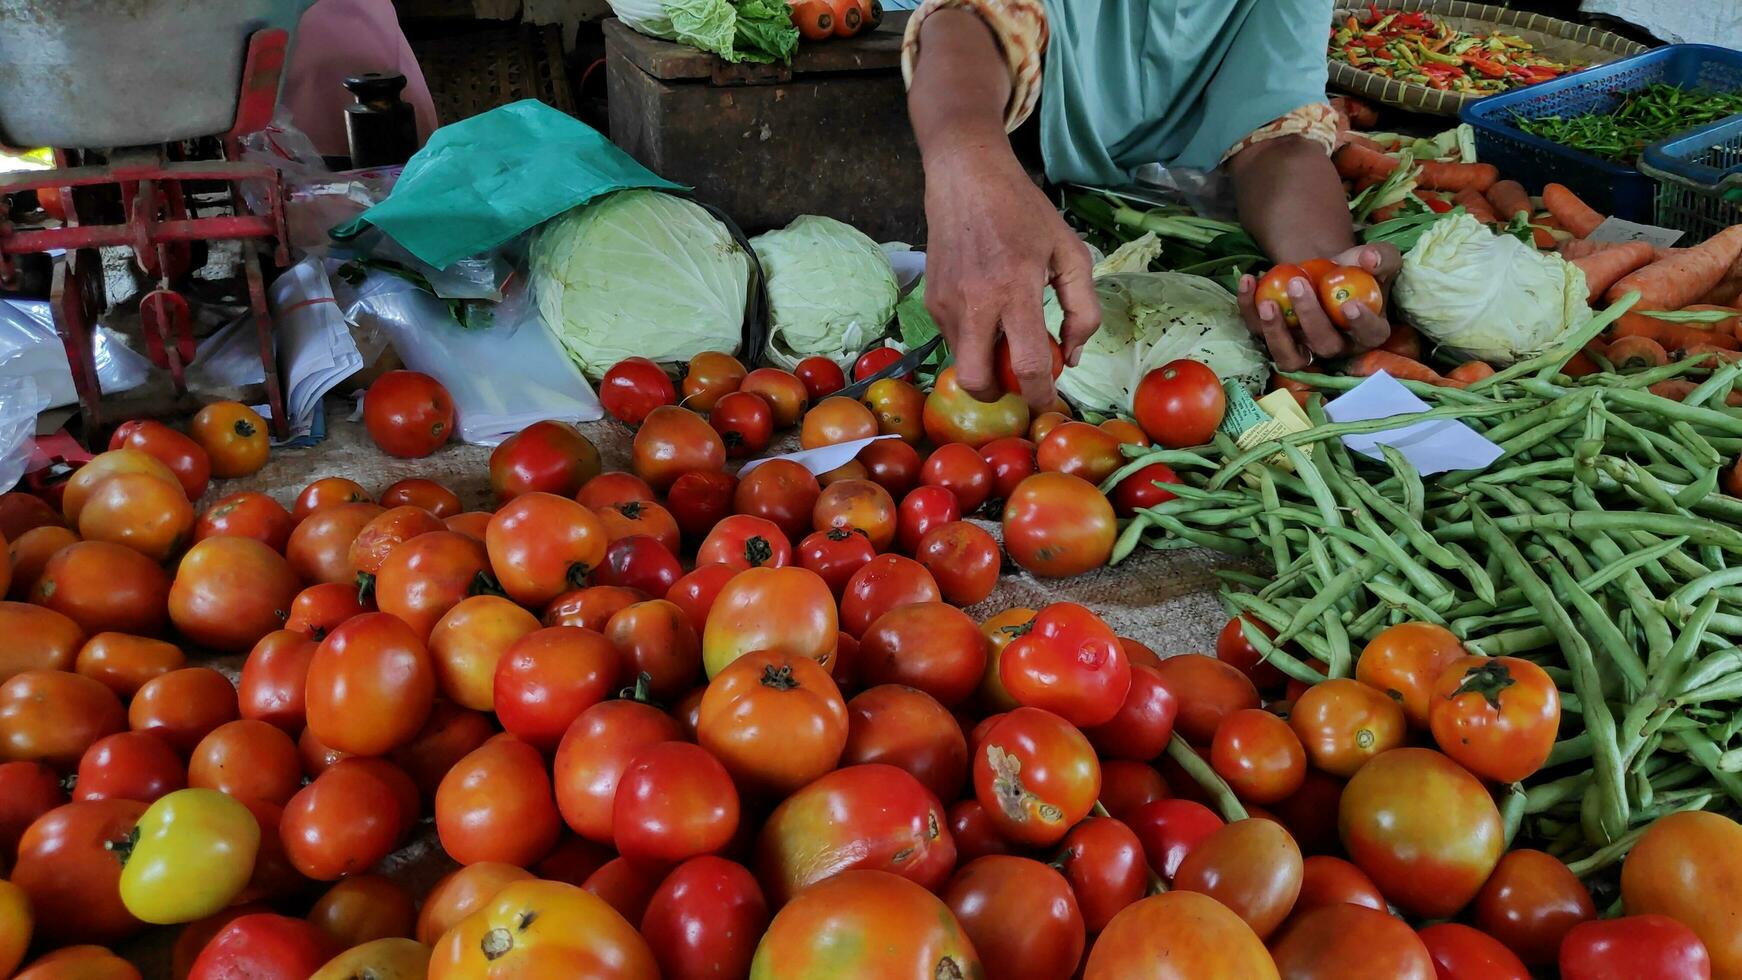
(639, 273)
(831, 291)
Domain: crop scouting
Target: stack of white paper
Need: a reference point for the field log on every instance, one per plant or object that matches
(1431, 447)
(315, 349)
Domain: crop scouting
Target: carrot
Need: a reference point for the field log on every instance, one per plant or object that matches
(1712, 353)
(1355, 161)
(1574, 215)
(1509, 199)
(1543, 238)
(1724, 294)
(1603, 268)
(1731, 324)
(1579, 365)
(1404, 342)
(1476, 204)
(1356, 139)
(1457, 176)
(1681, 279)
(1670, 335)
(1396, 365)
(1633, 353)
(1578, 248)
(1677, 389)
(1470, 372)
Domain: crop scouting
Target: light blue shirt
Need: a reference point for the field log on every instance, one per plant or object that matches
(1175, 82)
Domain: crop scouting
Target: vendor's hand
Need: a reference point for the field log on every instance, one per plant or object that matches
(1317, 336)
(995, 244)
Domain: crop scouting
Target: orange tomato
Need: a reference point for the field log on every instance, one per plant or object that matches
(1405, 660)
(468, 642)
(543, 928)
(835, 420)
(738, 622)
(776, 721)
(233, 436)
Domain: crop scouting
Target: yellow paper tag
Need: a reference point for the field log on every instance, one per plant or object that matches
(1284, 416)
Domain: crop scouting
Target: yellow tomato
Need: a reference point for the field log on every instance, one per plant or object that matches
(383, 959)
(191, 853)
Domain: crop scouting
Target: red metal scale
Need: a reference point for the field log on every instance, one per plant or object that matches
(160, 228)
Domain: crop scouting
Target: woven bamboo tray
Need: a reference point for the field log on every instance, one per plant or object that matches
(484, 69)
(1559, 39)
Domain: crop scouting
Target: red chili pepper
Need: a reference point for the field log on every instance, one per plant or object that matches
(1435, 203)
(1488, 68)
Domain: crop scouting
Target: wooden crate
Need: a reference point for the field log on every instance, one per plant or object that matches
(766, 143)
(492, 67)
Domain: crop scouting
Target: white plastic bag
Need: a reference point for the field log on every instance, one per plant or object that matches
(20, 401)
(29, 346)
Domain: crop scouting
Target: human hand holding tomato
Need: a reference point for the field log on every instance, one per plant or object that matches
(1313, 329)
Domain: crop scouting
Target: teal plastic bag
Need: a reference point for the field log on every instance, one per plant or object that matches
(484, 180)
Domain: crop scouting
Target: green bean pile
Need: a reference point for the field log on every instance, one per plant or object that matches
(1597, 546)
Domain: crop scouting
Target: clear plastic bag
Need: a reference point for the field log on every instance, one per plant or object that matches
(20, 401)
(29, 346)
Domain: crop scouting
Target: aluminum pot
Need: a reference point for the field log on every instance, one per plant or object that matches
(90, 74)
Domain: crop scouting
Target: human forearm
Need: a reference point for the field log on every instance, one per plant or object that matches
(1290, 199)
(960, 87)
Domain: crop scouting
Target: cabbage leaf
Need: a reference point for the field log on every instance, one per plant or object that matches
(831, 290)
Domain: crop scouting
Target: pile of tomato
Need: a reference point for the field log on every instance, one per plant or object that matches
(678, 722)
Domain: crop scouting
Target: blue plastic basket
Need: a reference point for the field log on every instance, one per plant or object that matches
(1699, 178)
(1610, 188)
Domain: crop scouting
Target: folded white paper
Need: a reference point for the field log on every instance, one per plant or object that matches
(315, 347)
(823, 458)
(1431, 447)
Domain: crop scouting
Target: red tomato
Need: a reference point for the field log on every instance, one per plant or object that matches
(1252, 866)
(264, 945)
(1180, 404)
(450, 734)
(319, 549)
(1459, 951)
(633, 387)
(774, 720)
(541, 544)
(786, 395)
(875, 360)
(1207, 690)
(408, 414)
(27, 791)
(675, 801)
(1274, 285)
(1234, 649)
(592, 756)
(1311, 813)
(20, 512)
(592, 607)
(1128, 433)
(1142, 726)
(1169, 829)
(1044, 423)
(897, 826)
(963, 558)
(1259, 756)
(547, 457)
(742, 541)
(71, 876)
(674, 441)
(184, 457)
(1177, 936)
(627, 886)
(918, 936)
(893, 465)
(695, 593)
(1036, 775)
(640, 563)
(710, 377)
(1424, 829)
(1349, 284)
(1070, 663)
(1338, 941)
(921, 511)
(52, 716)
(1126, 786)
(655, 639)
(364, 909)
(468, 643)
(370, 685)
(857, 505)
(932, 646)
(274, 683)
(907, 728)
(640, 517)
(953, 415)
(744, 421)
(821, 376)
(739, 622)
(899, 408)
(342, 823)
(432, 573)
(1079, 449)
(975, 834)
(1057, 525)
(700, 499)
(1530, 903)
(249, 760)
(1343, 723)
(230, 592)
(330, 491)
(496, 805)
(884, 583)
(103, 586)
(1634, 947)
(1020, 915)
(1497, 716)
(120, 662)
(1141, 489)
(960, 469)
(132, 766)
(183, 706)
(705, 919)
(1012, 461)
(835, 555)
(29, 554)
(836, 420)
(781, 491)
(614, 489)
(83, 962)
(548, 677)
(1007, 378)
(319, 608)
(1405, 660)
(1682, 868)
(428, 494)
(1327, 880)
(1104, 863)
(388, 530)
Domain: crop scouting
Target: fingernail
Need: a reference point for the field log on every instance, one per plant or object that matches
(1245, 284)
(1297, 287)
(1351, 310)
(1267, 310)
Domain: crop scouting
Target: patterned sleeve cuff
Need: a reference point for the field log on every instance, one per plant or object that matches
(1020, 28)
(1316, 122)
